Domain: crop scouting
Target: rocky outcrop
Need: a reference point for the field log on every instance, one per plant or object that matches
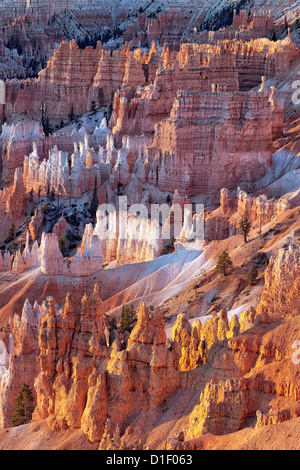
(224, 407)
(187, 339)
(28, 259)
(192, 342)
(22, 7)
(107, 384)
(90, 80)
(88, 259)
(126, 238)
(194, 68)
(138, 240)
(16, 141)
(195, 116)
(66, 179)
(143, 375)
(151, 117)
(261, 352)
(48, 257)
(261, 210)
(5, 261)
(229, 405)
(20, 338)
(280, 297)
(35, 224)
(14, 200)
(276, 417)
(56, 78)
(165, 28)
(223, 222)
(70, 347)
(262, 57)
(85, 375)
(233, 65)
(181, 120)
(246, 319)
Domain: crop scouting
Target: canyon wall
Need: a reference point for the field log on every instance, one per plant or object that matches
(77, 79)
(224, 221)
(202, 132)
(92, 76)
(281, 302)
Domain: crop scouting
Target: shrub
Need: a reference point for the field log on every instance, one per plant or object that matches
(128, 317)
(62, 243)
(45, 208)
(245, 227)
(112, 324)
(94, 201)
(11, 233)
(23, 407)
(252, 275)
(224, 264)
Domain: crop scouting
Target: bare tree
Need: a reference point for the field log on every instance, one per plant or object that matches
(113, 8)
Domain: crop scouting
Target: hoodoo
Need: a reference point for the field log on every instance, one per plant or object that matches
(149, 236)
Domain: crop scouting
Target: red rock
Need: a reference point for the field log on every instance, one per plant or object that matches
(281, 293)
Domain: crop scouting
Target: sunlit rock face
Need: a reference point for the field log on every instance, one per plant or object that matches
(203, 139)
(16, 141)
(160, 113)
(67, 177)
(19, 361)
(281, 294)
(82, 369)
(128, 239)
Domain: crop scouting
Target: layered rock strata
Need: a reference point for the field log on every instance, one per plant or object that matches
(203, 130)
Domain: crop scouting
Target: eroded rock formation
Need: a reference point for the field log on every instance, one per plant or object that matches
(281, 294)
(83, 373)
(89, 378)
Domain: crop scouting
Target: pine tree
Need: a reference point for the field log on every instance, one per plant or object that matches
(93, 106)
(47, 126)
(127, 318)
(71, 114)
(94, 201)
(62, 243)
(23, 407)
(252, 275)
(113, 324)
(245, 227)
(224, 264)
(274, 36)
(100, 98)
(45, 208)
(11, 233)
(286, 23)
